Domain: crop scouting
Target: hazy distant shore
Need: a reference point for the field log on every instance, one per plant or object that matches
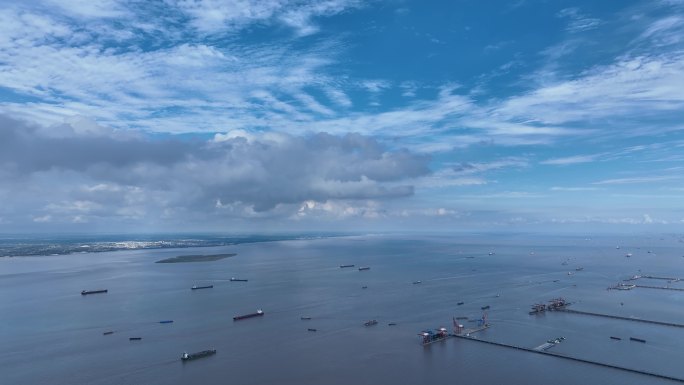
(36, 247)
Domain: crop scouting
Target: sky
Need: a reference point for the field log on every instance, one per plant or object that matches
(341, 115)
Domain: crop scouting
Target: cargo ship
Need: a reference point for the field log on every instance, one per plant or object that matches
(195, 287)
(250, 315)
(194, 356)
(362, 268)
(86, 292)
(237, 280)
(343, 266)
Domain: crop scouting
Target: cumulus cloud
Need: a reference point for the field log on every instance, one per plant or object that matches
(96, 174)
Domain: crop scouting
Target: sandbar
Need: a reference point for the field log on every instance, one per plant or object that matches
(196, 258)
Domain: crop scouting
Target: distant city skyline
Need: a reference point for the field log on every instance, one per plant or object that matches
(341, 115)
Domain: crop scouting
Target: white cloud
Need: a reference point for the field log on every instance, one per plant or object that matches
(578, 189)
(263, 86)
(637, 180)
(480, 167)
(572, 159)
(91, 9)
(213, 16)
(640, 87)
(665, 31)
(339, 210)
(577, 21)
(643, 220)
(43, 219)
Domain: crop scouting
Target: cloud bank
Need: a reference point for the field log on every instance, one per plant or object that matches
(71, 174)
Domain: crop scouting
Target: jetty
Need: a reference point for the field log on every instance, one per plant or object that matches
(576, 359)
(573, 311)
(659, 287)
(663, 278)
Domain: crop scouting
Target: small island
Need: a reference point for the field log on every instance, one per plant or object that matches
(196, 258)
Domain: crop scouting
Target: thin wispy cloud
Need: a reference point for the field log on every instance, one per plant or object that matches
(573, 189)
(637, 180)
(578, 22)
(573, 159)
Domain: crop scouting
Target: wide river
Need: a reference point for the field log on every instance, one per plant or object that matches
(51, 334)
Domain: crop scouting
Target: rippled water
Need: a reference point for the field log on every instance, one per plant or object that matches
(52, 335)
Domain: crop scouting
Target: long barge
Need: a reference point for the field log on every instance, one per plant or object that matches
(238, 280)
(258, 313)
(86, 292)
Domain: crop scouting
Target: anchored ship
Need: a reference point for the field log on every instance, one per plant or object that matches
(193, 356)
(250, 315)
(86, 292)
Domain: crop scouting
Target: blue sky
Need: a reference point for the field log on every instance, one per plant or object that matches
(270, 115)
